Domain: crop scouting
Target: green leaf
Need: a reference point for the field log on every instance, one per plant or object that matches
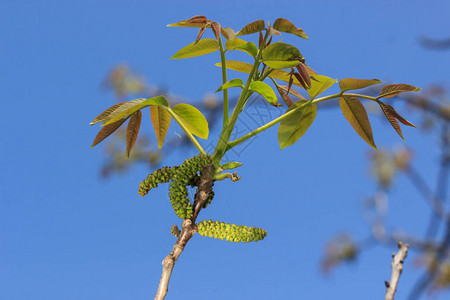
(133, 130)
(203, 47)
(241, 45)
(392, 90)
(281, 52)
(231, 165)
(237, 82)
(356, 115)
(319, 85)
(264, 90)
(161, 122)
(347, 84)
(106, 131)
(293, 127)
(101, 117)
(281, 64)
(252, 28)
(237, 66)
(196, 21)
(193, 119)
(132, 106)
(286, 26)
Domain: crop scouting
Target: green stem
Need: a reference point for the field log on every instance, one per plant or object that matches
(277, 120)
(186, 130)
(226, 133)
(224, 80)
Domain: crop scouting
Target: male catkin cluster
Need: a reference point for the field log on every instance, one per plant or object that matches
(230, 232)
(181, 177)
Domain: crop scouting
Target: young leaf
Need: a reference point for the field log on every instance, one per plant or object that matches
(106, 131)
(392, 90)
(196, 21)
(132, 106)
(251, 28)
(281, 64)
(394, 113)
(284, 75)
(347, 84)
(293, 92)
(193, 119)
(391, 118)
(286, 26)
(203, 47)
(264, 90)
(200, 34)
(106, 113)
(281, 52)
(356, 115)
(320, 85)
(237, 66)
(161, 122)
(228, 33)
(240, 44)
(231, 165)
(216, 28)
(237, 82)
(133, 130)
(294, 127)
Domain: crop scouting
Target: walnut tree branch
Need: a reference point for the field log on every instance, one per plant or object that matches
(188, 228)
(397, 268)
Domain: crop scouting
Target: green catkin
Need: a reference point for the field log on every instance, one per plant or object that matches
(183, 177)
(230, 232)
(163, 175)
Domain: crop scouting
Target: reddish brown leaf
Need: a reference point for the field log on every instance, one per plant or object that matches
(304, 73)
(216, 28)
(197, 19)
(300, 80)
(285, 97)
(252, 28)
(398, 116)
(133, 130)
(200, 34)
(392, 90)
(292, 92)
(286, 26)
(106, 131)
(391, 118)
(228, 33)
(261, 38)
(106, 113)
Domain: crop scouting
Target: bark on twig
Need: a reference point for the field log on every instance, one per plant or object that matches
(188, 228)
(397, 268)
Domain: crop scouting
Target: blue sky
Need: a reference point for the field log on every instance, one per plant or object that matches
(66, 234)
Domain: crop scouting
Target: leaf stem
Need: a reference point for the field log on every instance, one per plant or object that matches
(186, 130)
(224, 80)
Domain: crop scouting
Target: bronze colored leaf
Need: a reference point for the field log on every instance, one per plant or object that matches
(133, 130)
(286, 26)
(293, 92)
(356, 115)
(106, 113)
(252, 28)
(285, 97)
(161, 121)
(397, 115)
(216, 28)
(107, 131)
(228, 33)
(201, 31)
(347, 84)
(196, 21)
(391, 118)
(392, 90)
